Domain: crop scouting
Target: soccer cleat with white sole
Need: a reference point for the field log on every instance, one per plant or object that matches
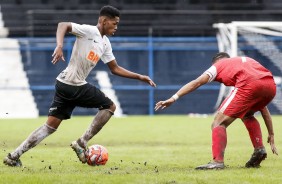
(80, 152)
(211, 165)
(9, 161)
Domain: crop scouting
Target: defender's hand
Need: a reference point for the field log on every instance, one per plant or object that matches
(58, 55)
(270, 140)
(164, 104)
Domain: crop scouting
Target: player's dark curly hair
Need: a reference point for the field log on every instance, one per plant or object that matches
(220, 55)
(109, 11)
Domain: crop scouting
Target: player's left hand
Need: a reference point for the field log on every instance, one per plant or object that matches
(164, 104)
(270, 140)
(58, 55)
(148, 80)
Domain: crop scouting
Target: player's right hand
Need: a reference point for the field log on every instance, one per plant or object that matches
(270, 140)
(58, 55)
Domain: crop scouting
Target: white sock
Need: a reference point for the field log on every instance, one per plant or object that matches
(33, 139)
(99, 121)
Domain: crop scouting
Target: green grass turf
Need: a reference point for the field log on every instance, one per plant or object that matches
(142, 149)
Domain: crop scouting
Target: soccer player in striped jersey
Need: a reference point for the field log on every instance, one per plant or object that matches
(254, 88)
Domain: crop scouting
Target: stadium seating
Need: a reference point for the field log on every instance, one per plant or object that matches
(158, 18)
(139, 18)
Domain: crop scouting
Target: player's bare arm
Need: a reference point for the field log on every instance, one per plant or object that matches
(188, 88)
(120, 71)
(268, 123)
(63, 28)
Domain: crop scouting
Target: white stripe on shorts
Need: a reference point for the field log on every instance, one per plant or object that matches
(230, 98)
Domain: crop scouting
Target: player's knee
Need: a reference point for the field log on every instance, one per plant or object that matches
(214, 124)
(222, 120)
(249, 115)
(53, 122)
(217, 123)
(112, 108)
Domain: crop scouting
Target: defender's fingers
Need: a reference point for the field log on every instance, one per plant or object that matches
(274, 150)
(159, 103)
(157, 107)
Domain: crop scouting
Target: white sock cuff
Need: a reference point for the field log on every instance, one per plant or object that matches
(54, 129)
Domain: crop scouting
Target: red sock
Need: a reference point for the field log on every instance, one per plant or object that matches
(254, 130)
(219, 141)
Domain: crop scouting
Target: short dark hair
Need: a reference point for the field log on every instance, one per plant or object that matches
(220, 55)
(109, 11)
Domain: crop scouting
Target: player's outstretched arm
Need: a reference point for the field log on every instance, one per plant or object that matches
(188, 88)
(120, 71)
(62, 29)
(268, 123)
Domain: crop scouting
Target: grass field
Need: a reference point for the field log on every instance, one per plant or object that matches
(142, 149)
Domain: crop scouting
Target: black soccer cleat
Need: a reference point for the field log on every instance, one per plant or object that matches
(257, 157)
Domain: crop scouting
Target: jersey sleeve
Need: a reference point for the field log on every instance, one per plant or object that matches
(108, 54)
(211, 72)
(80, 30)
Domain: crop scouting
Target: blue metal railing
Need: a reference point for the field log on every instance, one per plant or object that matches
(148, 44)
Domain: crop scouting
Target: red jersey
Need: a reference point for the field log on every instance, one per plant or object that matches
(237, 71)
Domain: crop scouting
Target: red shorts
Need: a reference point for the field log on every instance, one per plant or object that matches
(251, 97)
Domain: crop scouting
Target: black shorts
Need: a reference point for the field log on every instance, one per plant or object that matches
(67, 97)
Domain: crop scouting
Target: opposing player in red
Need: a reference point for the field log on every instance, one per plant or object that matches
(254, 88)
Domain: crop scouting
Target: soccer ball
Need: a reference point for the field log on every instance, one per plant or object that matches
(97, 155)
